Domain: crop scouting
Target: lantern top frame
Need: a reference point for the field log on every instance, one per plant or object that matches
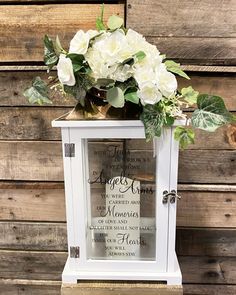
(108, 128)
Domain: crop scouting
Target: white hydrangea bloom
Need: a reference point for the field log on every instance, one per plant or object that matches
(65, 71)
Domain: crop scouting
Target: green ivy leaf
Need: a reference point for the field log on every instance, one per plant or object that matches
(115, 97)
(153, 121)
(115, 22)
(184, 135)
(132, 96)
(38, 92)
(50, 55)
(99, 21)
(189, 95)
(211, 113)
(77, 61)
(169, 120)
(76, 58)
(175, 68)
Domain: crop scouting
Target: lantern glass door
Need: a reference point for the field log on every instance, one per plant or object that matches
(121, 199)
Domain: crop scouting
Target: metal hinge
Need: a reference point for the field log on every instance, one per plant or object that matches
(171, 196)
(74, 252)
(69, 150)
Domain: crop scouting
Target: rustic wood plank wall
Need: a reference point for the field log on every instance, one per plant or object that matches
(201, 34)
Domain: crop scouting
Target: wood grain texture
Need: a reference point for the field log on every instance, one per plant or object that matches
(138, 288)
(188, 18)
(31, 160)
(196, 209)
(207, 209)
(23, 27)
(32, 204)
(49, 265)
(197, 289)
(42, 161)
(32, 123)
(33, 236)
(36, 287)
(190, 31)
(219, 84)
(31, 265)
(29, 287)
(206, 241)
(208, 270)
(199, 51)
(207, 166)
(14, 82)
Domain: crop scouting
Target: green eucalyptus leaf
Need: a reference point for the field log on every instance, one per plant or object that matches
(102, 82)
(140, 55)
(50, 55)
(132, 96)
(128, 86)
(58, 48)
(100, 25)
(99, 21)
(189, 95)
(38, 92)
(115, 97)
(115, 22)
(211, 113)
(175, 68)
(184, 135)
(153, 121)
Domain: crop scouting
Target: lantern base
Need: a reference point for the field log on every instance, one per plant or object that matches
(171, 278)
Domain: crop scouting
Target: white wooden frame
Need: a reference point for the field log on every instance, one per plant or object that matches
(165, 268)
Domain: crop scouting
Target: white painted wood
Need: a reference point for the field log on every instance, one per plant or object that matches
(65, 132)
(174, 153)
(165, 267)
(79, 200)
(72, 276)
(162, 183)
(105, 123)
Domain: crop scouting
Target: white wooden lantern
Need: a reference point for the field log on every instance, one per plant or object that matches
(120, 202)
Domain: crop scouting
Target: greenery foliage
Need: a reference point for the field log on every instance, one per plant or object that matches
(128, 81)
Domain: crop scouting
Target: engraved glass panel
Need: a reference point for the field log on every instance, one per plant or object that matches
(120, 182)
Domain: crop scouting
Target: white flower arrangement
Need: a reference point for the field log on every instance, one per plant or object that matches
(130, 70)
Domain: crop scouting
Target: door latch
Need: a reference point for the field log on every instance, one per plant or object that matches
(171, 196)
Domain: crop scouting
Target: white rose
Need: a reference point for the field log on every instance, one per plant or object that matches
(65, 71)
(149, 94)
(143, 74)
(80, 42)
(167, 81)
